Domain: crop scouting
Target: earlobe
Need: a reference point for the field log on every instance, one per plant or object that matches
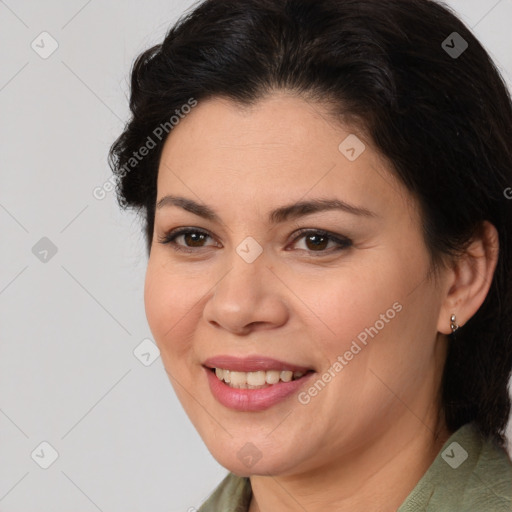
(470, 279)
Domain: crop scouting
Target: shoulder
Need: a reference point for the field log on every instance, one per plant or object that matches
(470, 474)
(233, 494)
(490, 482)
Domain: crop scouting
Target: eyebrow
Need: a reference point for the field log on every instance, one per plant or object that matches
(277, 216)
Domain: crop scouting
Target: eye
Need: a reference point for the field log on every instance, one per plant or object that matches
(316, 241)
(192, 236)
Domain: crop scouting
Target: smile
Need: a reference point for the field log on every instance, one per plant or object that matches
(255, 380)
(254, 383)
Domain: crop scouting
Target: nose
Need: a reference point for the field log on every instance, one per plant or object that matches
(246, 297)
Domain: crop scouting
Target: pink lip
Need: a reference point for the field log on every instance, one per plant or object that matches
(252, 400)
(251, 364)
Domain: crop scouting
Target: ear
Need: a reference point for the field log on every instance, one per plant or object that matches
(469, 278)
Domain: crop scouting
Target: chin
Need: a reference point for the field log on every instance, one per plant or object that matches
(247, 459)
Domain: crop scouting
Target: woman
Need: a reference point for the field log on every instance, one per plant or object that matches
(324, 188)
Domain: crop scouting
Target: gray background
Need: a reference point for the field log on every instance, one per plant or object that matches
(70, 321)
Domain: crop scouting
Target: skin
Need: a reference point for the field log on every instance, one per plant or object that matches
(348, 447)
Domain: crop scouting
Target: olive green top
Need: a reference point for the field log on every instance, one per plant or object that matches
(470, 474)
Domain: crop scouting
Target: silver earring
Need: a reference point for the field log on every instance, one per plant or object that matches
(453, 323)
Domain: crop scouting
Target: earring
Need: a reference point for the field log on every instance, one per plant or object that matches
(453, 323)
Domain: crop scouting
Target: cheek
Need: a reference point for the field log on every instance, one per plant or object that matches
(355, 300)
(169, 301)
(372, 319)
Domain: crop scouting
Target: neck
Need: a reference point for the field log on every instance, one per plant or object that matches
(383, 473)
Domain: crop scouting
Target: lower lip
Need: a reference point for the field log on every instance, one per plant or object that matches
(253, 399)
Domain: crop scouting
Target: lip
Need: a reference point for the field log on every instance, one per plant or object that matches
(252, 363)
(253, 400)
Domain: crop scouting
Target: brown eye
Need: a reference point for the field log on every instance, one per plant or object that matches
(192, 238)
(317, 241)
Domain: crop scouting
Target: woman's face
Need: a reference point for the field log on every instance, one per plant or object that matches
(267, 294)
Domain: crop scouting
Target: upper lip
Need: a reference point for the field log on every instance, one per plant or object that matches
(252, 363)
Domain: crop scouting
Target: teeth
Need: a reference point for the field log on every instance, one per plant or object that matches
(272, 377)
(237, 379)
(286, 376)
(255, 380)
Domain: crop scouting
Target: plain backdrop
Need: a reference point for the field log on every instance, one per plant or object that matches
(73, 374)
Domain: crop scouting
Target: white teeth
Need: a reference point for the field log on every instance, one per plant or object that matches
(286, 376)
(255, 380)
(272, 377)
(237, 379)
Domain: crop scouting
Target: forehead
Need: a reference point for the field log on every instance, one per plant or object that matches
(280, 148)
(279, 121)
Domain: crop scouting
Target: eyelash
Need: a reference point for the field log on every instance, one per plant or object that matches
(343, 242)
